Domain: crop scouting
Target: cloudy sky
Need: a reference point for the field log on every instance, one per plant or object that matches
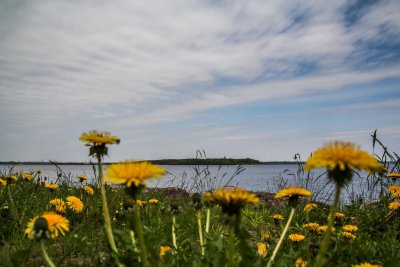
(260, 79)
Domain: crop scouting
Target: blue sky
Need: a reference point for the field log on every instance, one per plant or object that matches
(260, 79)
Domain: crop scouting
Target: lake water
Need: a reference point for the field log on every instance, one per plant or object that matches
(264, 178)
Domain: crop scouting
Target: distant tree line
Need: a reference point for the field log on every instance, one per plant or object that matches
(206, 161)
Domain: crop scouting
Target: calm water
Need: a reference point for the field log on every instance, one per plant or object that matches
(269, 178)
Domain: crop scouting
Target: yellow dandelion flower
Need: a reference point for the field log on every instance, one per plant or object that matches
(133, 173)
(232, 200)
(82, 178)
(141, 202)
(293, 192)
(164, 250)
(350, 228)
(324, 228)
(266, 238)
(277, 217)
(339, 215)
(313, 227)
(262, 249)
(27, 176)
(89, 190)
(39, 171)
(49, 224)
(75, 204)
(366, 264)
(300, 263)
(309, 207)
(97, 138)
(348, 235)
(394, 206)
(52, 187)
(59, 205)
(153, 201)
(296, 237)
(393, 175)
(11, 178)
(3, 182)
(394, 190)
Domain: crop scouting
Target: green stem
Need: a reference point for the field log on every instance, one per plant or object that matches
(208, 220)
(200, 232)
(278, 245)
(325, 242)
(46, 256)
(14, 212)
(139, 232)
(231, 245)
(173, 232)
(106, 214)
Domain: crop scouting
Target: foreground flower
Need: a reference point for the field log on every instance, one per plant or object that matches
(153, 201)
(27, 176)
(50, 224)
(52, 187)
(133, 173)
(394, 190)
(293, 194)
(98, 138)
(164, 250)
(88, 189)
(394, 206)
(309, 207)
(11, 178)
(312, 227)
(59, 205)
(300, 263)
(3, 182)
(75, 204)
(366, 264)
(350, 228)
(232, 200)
(262, 249)
(348, 235)
(82, 178)
(296, 238)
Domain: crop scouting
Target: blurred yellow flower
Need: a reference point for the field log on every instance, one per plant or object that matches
(88, 189)
(344, 156)
(82, 178)
(3, 182)
(366, 264)
(133, 173)
(350, 228)
(39, 171)
(309, 207)
(153, 201)
(277, 217)
(97, 138)
(300, 263)
(52, 187)
(27, 176)
(164, 250)
(348, 235)
(51, 226)
(293, 192)
(313, 227)
(394, 206)
(75, 204)
(324, 228)
(232, 200)
(262, 249)
(339, 215)
(141, 202)
(394, 190)
(393, 175)
(296, 237)
(11, 178)
(59, 205)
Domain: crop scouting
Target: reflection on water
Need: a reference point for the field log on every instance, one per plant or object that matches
(264, 178)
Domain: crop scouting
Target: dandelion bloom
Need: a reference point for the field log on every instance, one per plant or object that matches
(296, 238)
(141, 202)
(3, 182)
(393, 175)
(300, 263)
(153, 201)
(39, 171)
(339, 215)
(366, 264)
(27, 176)
(350, 228)
(309, 207)
(11, 178)
(266, 237)
(324, 228)
(262, 249)
(52, 187)
(50, 224)
(82, 178)
(133, 173)
(313, 227)
(232, 200)
(293, 192)
(341, 158)
(394, 206)
(394, 190)
(75, 204)
(58, 204)
(348, 235)
(88, 189)
(277, 217)
(164, 250)
(97, 138)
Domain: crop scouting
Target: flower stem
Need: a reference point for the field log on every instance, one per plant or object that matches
(139, 232)
(46, 256)
(325, 242)
(106, 214)
(173, 231)
(271, 260)
(208, 220)
(200, 232)
(231, 245)
(14, 212)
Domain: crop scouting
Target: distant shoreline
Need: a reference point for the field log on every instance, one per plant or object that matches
(194, 161)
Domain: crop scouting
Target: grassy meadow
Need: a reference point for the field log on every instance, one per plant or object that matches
(172, 227)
